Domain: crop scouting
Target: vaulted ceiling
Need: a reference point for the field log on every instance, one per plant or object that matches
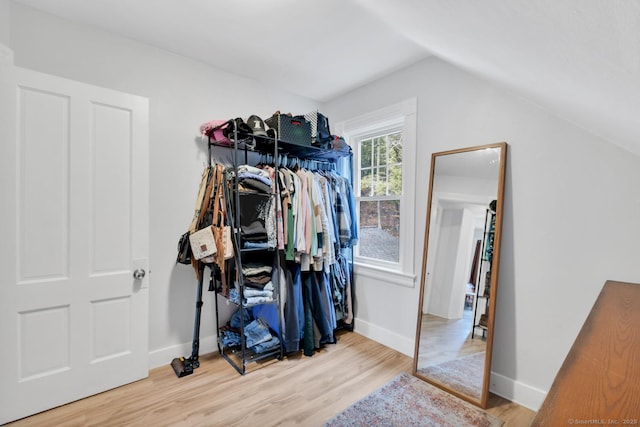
(577, 58)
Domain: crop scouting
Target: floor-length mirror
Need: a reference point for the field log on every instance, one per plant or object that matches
(460, 270)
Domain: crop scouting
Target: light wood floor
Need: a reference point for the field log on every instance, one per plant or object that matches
(299, 390)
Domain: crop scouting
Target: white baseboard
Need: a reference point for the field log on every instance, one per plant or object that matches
(517, 392)
(384, 336)
(164, 356)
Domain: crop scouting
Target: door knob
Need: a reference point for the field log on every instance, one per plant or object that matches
(139, 274)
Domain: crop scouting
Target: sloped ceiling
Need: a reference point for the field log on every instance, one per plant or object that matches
(577, 58)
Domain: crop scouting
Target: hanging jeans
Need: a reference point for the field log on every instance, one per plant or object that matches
(293, 308)
(312, 292)
(328, 311)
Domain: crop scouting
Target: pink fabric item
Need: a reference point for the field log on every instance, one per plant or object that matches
(214, 129)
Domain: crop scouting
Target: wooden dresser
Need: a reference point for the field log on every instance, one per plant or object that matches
(599, 381)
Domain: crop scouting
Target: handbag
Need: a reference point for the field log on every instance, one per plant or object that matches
(221, 232)
(184, 249)
(203, 243)
(227, 243)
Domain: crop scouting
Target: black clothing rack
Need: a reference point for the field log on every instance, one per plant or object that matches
(275, 152)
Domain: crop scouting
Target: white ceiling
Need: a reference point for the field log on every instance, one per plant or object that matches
(577, 58)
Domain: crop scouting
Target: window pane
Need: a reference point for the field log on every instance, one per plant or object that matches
(395, 147)
(379, 151)
(380, 230)
(365, 153)
(365, 182)
(395, 180)
(380, 181)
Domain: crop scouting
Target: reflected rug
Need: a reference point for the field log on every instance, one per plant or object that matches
(463, 374)
(408, 401)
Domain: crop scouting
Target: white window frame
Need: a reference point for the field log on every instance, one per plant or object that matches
(397, 117)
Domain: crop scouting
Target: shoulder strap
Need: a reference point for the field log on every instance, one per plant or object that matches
(218, 198)
(202, 200)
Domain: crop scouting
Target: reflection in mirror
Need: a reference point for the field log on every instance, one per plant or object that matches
(460, 270)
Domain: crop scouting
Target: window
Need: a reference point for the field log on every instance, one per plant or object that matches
(383, 144)
(379, 196)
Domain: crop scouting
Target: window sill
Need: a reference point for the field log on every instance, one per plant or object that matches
(393, 277)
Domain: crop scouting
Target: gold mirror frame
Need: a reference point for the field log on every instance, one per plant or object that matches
(494, 269)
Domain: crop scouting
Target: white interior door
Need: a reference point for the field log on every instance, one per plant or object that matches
(74, 215)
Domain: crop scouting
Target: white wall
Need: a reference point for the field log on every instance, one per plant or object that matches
(4, 22)
(570, 218)
(182, 94)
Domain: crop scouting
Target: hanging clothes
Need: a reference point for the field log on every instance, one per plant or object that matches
(311, 218)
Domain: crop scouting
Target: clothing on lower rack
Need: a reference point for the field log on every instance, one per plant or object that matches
(256, 332)
(240, 316)
(259, 327)
(230, 338)
(265, 346)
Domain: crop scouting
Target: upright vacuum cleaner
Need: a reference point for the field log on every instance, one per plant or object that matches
(184, 366)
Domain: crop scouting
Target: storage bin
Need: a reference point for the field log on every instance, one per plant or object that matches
(291, 129)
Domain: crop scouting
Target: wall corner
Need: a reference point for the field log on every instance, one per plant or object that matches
(6, 55)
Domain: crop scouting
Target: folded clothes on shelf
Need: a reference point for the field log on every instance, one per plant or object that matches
(257, 300)
(254, 232)
(255, 184)
(256, 245)
(252, 269)
(230, 338)
(259, 281)
(234, 322)
(253, 170)
(249, 292)
(260, 297)
(263, 347)
(256, 332)
(257, 177)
